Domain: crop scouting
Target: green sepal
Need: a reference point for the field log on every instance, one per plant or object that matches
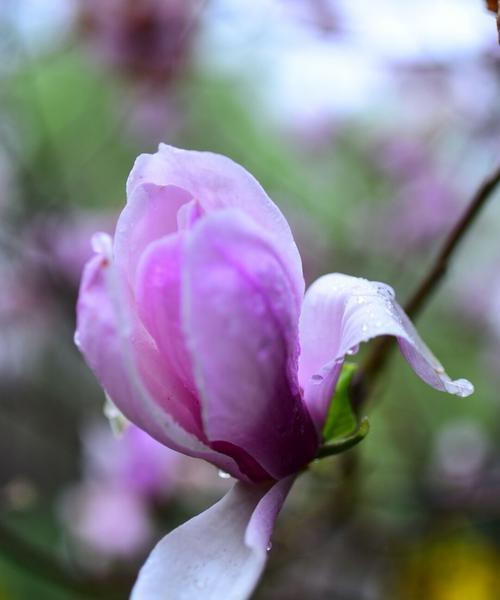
(341, 421)
(343, 444)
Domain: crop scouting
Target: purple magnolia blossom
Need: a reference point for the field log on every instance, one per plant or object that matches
(195, 322)
(109, 512)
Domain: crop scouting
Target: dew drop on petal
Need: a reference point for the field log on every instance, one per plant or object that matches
(269, 546)
(102, 243)
(223, 474)
(460, 387)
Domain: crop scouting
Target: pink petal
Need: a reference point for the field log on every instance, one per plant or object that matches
(158, 297)
(217, 182)
(128, 366)
(220, 553)
(340, 312)
(150, 214)
(241, 324)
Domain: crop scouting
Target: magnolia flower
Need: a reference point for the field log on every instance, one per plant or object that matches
(195, 322)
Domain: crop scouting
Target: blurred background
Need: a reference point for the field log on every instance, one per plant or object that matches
(371, 129)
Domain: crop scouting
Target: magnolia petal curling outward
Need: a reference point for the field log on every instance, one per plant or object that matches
(216, 182)
(116, 346)
(220, 553)
(340, 312)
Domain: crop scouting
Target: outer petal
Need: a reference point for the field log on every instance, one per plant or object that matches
(150, 213)
(218, 554)
(241, 327)
(128, 366)
(217, 182)
(340, 312)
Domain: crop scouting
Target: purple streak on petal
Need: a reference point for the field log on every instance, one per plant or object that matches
(217, 182)
(158, 297)
(128, 366)
(220, 553)
(188, 214)
(241, 325)
(261, 525)
(339, 313)
(150, 214)
(246, 462)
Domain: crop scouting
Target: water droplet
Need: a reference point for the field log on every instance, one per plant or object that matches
(460, 387)
(77, 339)
(317, 378)
(353, 350)
(102, 244)
(364, 328)
(223, 474)
(269, 546)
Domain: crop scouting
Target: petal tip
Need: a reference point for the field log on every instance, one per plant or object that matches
(459, 387)
(102, 244)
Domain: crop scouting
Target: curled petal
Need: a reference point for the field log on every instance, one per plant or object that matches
(241, 325)
(217, 182)
(127, 364)
(220, 553)
(340, 312)
(151, 213)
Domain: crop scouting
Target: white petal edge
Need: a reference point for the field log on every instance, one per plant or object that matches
(220, 553)
(339, 312)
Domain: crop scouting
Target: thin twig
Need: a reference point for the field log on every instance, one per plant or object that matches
(376, 360)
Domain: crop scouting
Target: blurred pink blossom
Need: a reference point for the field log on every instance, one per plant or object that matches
(64, 241)
(133, 461)
(424, 205)
(26, 316)
(110, 521)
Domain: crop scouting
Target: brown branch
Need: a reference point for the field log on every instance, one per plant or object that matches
(441, 264)
(377, 359)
